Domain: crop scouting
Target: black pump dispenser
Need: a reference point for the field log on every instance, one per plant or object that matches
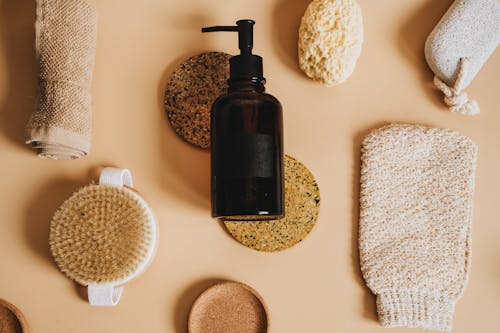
(246, 66)
(246, 139)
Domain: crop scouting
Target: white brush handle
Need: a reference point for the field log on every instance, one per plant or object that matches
(107, 294)
(116, 177)
(104, 294)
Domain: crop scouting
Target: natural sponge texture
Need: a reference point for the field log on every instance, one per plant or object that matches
(416, 202)
(330, 40)
(101, 234)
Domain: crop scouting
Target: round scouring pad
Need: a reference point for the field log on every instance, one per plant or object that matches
(11, 319)
(302, 201)
(102, 234)
(229, 307)
(193, 87)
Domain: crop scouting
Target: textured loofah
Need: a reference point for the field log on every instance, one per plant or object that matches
(330, 39)
(101, 234)
(302, 202)
(416, 201)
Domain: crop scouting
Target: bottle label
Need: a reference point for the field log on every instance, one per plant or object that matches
(248, 155)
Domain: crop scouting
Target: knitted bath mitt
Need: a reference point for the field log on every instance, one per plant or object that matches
(330, 39)
(459, 46)
(103, 236)
(66, 33)
(415, 222)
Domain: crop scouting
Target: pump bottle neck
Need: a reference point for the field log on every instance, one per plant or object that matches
(246, 85)
(246, 70)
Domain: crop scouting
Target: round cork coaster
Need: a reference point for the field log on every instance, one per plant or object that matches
(11, 319)
(194, 85)
(302, 201)
(229, 307)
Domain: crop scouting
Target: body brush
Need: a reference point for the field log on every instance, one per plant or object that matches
(103, 236)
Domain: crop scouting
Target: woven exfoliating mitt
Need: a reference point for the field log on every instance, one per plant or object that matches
(60, 127)
(415, 222)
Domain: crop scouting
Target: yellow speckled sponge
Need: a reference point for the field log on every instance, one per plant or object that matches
(302, 201)
(190, 93)
(101, 234)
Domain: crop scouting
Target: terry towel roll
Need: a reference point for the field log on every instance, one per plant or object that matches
(66, 32)
(415, 222)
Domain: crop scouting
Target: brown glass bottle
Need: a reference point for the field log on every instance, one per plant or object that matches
(247, 153)
(246, 140)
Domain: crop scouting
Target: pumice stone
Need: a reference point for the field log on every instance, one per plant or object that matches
(330, 40)
(458, 48)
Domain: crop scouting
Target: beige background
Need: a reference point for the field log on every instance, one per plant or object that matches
(313, 287)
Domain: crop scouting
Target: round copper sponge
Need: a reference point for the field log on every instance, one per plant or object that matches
(194, 85)
(228, 307)
(11, 319)
(101, 234)
(302, 201)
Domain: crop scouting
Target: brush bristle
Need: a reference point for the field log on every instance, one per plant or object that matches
(101, 234)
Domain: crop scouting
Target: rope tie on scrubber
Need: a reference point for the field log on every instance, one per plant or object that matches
(455, 97)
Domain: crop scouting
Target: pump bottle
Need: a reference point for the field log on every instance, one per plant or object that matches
(246, 139)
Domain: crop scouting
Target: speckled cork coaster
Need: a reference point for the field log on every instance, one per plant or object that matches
(229, 307)
(302, 201)
(11, 319)
(193, 87)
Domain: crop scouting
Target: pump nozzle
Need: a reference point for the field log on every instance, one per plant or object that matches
(245, 34)
(246, 65)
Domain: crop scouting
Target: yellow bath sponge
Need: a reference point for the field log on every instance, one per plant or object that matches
(330, 40)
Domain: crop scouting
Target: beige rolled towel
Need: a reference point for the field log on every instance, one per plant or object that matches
(66, 32)
(416, 201)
